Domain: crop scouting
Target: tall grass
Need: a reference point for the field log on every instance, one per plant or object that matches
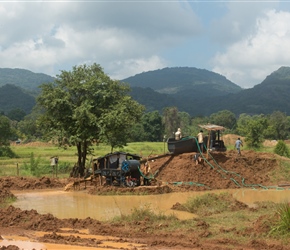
(282, 226)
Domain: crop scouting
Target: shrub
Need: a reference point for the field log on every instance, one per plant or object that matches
(281, 149)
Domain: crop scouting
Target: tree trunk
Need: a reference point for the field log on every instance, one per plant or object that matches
(80, 159)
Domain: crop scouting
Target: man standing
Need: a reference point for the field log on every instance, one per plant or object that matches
(238, 145)
(200, 140)
(178, 134)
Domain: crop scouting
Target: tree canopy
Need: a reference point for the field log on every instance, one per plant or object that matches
(85, 105)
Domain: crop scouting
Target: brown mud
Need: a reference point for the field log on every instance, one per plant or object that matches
(173, 174)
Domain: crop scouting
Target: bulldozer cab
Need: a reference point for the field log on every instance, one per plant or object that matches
(214, 142)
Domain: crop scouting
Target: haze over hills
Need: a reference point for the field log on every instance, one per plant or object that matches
(195, 91)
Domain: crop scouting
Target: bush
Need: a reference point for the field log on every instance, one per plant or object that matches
(7, 152)
(281, 149)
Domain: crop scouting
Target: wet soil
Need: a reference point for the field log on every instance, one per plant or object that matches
(179, 173)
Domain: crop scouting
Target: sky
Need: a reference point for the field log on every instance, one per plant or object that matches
(245, 41)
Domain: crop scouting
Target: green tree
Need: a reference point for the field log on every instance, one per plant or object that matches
(185, 121)
(171, 121)
(28, 126)
(118, 121)
(152, 124)
(196, 121)
(85, 105)
(16, 114)
(224, 118)
(242, 124)
(137, 133)
(6, 131)
(254, 130)
(279, 126)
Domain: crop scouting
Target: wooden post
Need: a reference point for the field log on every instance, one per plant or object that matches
(208, 143)
(17, 169)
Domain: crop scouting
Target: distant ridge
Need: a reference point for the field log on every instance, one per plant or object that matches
(207, 93)
(180, 80)
(195, 91)
(23, 78)
(13, 97)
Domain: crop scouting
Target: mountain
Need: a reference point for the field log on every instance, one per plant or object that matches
(271, 95)
(195, 91)
(201, 92)
(185, 87)
(13, 97)
(23, 78)
(184, 81)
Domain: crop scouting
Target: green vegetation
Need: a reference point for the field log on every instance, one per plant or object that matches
(155, 219)
(209, 204)
(219, 217)
(83, 106)
(282, 226)
(7, 201)
(281, 149)
(34, 158)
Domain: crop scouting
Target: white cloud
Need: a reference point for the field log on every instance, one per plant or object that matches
(250, 60)
(123, 37)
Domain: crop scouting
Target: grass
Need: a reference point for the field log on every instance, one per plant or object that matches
(217, 216)
(282, 226)
(209, 203)
(67, 157)
(7, 201)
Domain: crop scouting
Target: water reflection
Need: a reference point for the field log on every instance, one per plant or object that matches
(81, 205)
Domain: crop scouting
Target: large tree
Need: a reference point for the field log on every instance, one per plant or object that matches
(171, 121)
(224, 118)
(85, 105)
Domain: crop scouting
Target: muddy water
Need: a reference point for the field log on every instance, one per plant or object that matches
(81, 205)
(109, 243)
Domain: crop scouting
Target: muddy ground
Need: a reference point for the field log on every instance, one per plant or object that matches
(172, 173)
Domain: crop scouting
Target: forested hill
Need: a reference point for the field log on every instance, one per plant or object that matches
(23, 78)
(208, 94)
(187, 88)
(273, 94)
(184, 81)
(13, 98)
(204, 99)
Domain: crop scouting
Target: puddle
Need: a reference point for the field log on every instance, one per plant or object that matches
(82, 205)
(110, 243)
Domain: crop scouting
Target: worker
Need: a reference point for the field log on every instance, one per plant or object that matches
(238, 145)
(178, 134)
(146, 172)
(197, 158)
(200, 140)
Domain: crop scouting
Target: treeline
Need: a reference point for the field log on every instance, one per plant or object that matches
(255, 128)
(155, 126)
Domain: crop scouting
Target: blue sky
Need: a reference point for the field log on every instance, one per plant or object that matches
(243, 40)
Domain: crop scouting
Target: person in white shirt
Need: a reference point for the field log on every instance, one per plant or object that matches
(178, 134)
(200, 140)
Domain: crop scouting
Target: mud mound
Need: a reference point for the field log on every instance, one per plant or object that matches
(219, 170)
(26, 183)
